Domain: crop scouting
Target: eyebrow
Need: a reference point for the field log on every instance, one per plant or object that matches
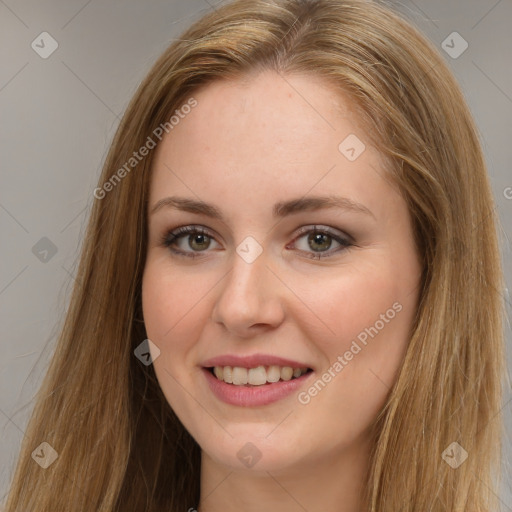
(280, 209)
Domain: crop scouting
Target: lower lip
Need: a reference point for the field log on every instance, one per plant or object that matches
(246, 396)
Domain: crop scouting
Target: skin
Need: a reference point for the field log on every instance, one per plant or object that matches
(245, 146)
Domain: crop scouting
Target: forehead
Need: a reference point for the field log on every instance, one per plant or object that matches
(267, 104)
(266, 135)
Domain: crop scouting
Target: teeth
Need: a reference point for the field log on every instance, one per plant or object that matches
(227, 374)
(273, 373)
(239, 375)
(286, 373)
(256, 376)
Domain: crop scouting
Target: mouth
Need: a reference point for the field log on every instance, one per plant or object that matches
(259, 376)
(251, 387)
(254, 380)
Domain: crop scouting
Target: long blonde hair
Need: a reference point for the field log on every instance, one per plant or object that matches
(119, 444)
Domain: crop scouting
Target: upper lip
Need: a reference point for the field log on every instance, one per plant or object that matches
(252, 361)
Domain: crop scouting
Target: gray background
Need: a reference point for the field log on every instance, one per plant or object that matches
(58, 116)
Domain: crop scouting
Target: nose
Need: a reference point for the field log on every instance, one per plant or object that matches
(250, 300)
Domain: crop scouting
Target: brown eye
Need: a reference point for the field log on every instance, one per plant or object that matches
(198, 240)
(202, 241)
(319, 241)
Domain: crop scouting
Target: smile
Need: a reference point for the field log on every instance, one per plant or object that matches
(241, 392)
(258, 376)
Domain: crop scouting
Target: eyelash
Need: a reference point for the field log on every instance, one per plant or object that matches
(170, 238)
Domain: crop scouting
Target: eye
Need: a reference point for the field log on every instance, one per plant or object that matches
(199, 239)
(320, 240)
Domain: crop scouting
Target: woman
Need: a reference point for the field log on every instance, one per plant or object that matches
(290, 289)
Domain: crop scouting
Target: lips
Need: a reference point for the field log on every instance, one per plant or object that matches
(254, 396)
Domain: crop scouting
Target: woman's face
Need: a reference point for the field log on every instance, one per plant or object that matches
(257, 281)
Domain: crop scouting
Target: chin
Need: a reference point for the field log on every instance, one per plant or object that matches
(250, 450)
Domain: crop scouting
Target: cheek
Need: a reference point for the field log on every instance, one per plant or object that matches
(173, 316)
(176, 309)
(369, 314)
(165, 306)
(172, 303)
(353, 301)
